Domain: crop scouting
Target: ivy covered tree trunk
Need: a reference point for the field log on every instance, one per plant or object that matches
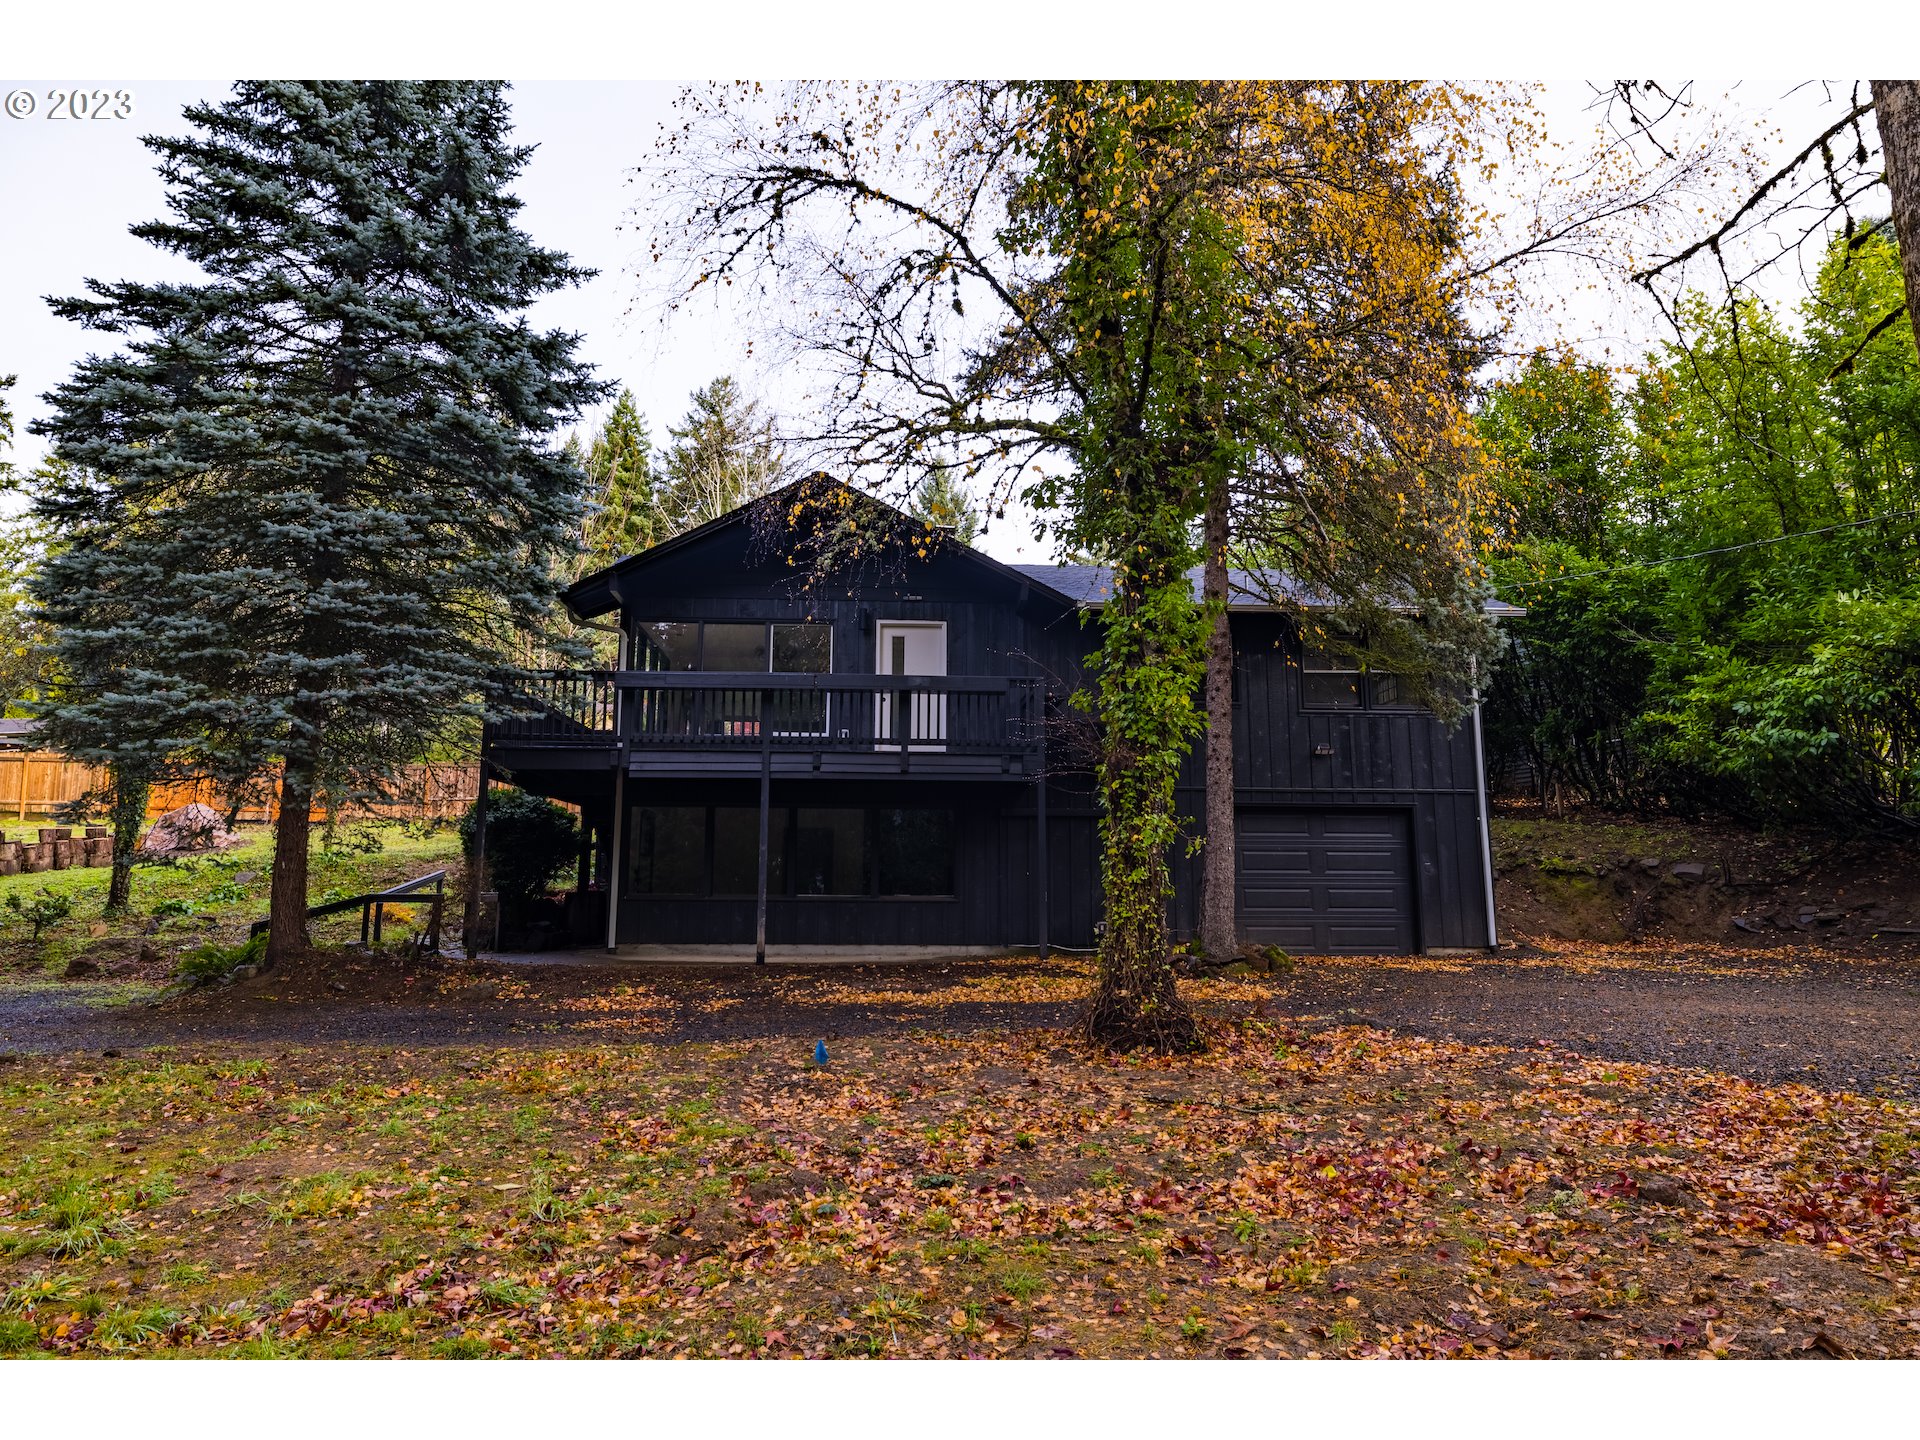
(130, 792)
(1219, 934)
(1148, 664)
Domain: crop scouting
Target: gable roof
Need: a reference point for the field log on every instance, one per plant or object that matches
(598, 593)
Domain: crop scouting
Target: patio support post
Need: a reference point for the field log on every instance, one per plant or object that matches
(1040, 845)
(613, 852)
(476, 867)
(766, 788)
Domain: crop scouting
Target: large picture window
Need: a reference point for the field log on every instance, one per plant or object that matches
(913, 852)
(669, 850)
(736, 850)
(800, 648)
(733, 647)
(830, 855)
(838, 850)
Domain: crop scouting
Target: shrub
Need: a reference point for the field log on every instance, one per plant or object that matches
(43, 910)
(213, 961)
(530, 841)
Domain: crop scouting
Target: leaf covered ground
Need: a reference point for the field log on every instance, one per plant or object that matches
(1307, 1187)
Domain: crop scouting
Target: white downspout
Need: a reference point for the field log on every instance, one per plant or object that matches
(1486, 826)
(619, 796)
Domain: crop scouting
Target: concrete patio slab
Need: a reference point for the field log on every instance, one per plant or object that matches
(627, 955)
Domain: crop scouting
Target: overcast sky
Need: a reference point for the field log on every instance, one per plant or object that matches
(89, 180)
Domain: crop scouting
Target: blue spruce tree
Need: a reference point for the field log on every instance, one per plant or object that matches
(329, 472)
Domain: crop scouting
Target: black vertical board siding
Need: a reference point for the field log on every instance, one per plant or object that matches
(997, 627)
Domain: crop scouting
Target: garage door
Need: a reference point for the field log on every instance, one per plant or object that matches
(1325, 882)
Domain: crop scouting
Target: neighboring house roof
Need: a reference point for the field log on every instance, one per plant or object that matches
(14, 733)
(1091, 586)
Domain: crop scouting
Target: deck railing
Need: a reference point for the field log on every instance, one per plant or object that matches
(558, 708)
(954, 714)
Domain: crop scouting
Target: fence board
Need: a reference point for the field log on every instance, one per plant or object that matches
(38, 782)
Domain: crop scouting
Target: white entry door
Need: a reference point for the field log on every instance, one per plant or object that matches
(912, 647)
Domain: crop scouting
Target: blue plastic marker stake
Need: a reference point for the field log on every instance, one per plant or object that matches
(819, 1052)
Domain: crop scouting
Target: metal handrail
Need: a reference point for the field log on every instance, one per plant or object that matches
(372, 907)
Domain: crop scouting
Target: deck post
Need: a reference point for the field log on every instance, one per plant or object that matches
(1040, 839)
(476, 868)
(613, 852)
(766, 795)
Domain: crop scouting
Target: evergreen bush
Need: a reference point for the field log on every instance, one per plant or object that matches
(530, 841)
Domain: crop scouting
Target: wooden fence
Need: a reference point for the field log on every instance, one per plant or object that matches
(38, 782)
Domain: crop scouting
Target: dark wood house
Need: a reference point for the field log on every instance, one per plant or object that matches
(886, 762)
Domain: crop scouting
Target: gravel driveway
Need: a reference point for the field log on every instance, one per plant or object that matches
(1839, 1022)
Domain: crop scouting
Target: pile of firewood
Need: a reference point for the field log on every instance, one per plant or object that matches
(57, 849)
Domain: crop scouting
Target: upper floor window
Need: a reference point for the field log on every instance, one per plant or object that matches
(1330, 679)
(734, 647)
(1334, 679)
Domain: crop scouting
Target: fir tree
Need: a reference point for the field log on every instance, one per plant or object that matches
(315, 498)
(625, 516)
(944, 500)
(723, 455)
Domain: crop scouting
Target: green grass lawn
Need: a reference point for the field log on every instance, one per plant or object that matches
(216, 896)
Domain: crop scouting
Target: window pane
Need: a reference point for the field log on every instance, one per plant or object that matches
(736, 850)
(830, 852)
(1390, 692)
(1326, 658)
(803, 649)
(913, 851)
(666, 645)
(1330, 692)
(669, 850)
(735, 647)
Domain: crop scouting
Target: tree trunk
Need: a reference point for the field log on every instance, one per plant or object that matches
(292, 844)
(129, 815)
(1219, 936)
(1135, 1002)
(1896, 111)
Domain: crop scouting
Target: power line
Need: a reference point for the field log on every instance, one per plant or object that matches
(1725, 549)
